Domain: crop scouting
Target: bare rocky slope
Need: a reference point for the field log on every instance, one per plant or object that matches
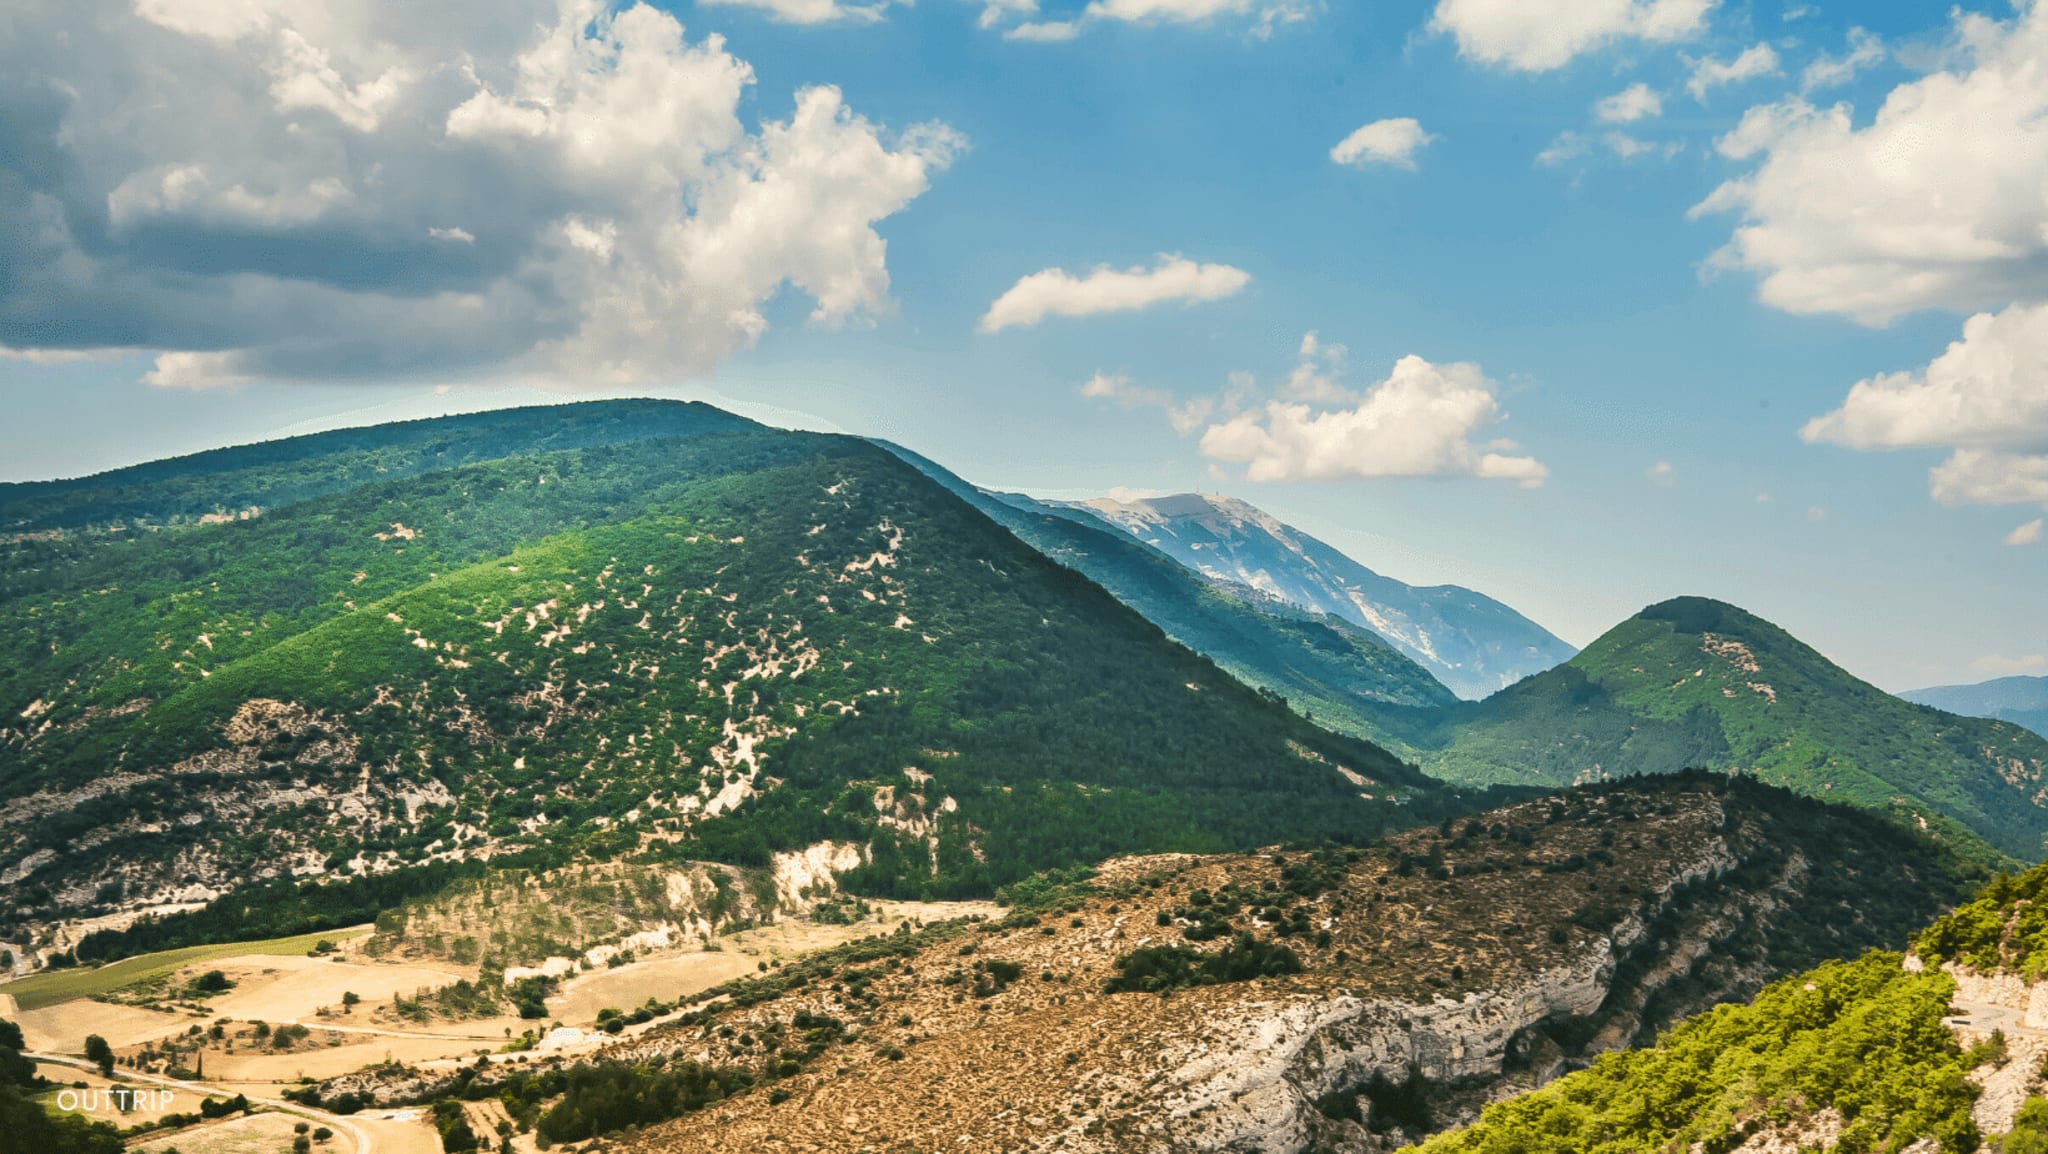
(1288, 1001)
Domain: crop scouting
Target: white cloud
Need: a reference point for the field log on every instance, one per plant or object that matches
(2027, 534)
(267, 190)
(1636, 102)
(1421, 421)
(1393, 142)
(1662, 474)
(1569, 146)
(1709, 74)
(1056, 292)
(1985, 397)
(1987, 390)
(1625, 146)
(1184, 417)
(1990, 477)
(811, 11)
(1044, 32)
(1935, 203)
(1541, 35)
(1317, 366)
(1825, 71)
(1258, 17)
(1999, 665)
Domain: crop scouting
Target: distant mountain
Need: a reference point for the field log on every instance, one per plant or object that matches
(2020, 700)
(605, 630)
(1325, 666)
(1470, 642)
(1697, 683)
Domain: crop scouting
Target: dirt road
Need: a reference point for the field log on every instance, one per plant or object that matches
(357, 1134)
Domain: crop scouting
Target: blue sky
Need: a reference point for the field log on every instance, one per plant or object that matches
(375, 214)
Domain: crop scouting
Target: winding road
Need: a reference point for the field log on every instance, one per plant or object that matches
(357, 1134)
(1984, 1018)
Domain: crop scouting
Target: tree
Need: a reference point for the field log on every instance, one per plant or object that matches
(97, 1051)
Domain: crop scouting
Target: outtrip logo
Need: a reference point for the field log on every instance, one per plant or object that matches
(114, 1098)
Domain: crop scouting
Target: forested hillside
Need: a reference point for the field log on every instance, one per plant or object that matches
(1854, 1055)
(717, 644)
(1694, 682)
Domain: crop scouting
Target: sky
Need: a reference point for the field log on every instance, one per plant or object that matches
(1580, 303)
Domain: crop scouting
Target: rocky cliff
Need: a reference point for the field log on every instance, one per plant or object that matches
(1338, 999)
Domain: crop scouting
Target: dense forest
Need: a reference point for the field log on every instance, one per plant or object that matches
(1864, 1039)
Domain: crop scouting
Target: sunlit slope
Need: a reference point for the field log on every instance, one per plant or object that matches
(717, 645)
(1695, 682)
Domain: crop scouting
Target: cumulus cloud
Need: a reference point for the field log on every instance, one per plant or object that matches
(1987, 390)
(2027, 534)
(1423, 420)
(1985, 397)
(1392, 142)
(1056, 292)
(1662, 474)
(540, 188)
(1542, 35)
(1935, 203)
(811, 11)
(1709, 74)
(1636, 102)
(1865, 50)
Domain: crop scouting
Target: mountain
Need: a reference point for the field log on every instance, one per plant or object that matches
(2020, 700)
(1695, 682)
(1342, 1000)
(372, 660)
(1326, 667)
(1470, 642)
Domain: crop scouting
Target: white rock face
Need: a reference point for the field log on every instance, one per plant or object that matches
(803, 875)
(1250, 1082)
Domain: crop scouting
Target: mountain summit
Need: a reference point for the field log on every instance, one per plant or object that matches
(1470, 642)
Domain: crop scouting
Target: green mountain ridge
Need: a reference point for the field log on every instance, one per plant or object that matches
(1693, 682)
(1326, 667)
(716, 642)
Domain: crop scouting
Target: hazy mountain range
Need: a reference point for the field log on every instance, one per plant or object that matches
(2020, 700)
(1469, 641)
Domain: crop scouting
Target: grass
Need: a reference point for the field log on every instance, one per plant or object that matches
(48, 989)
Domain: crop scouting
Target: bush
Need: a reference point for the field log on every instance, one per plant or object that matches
(1162, 969)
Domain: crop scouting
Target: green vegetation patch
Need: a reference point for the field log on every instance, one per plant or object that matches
(1864, 1037)
(54, 986)
(1163, 969)
(2004, 928)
